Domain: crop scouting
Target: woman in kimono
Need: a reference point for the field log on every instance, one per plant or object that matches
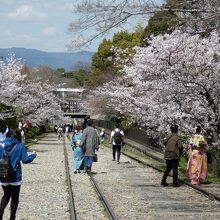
(77, 151)
(197, 163)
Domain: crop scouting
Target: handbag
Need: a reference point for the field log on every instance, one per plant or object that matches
(95, 158)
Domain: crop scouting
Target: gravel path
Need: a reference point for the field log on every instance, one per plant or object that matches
(133, 190)
(44, 190)
(87, 203)
(134, 193)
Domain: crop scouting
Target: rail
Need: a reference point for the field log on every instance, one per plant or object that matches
(100, 194)
(102, 198)
(69, 184)
(211, 196)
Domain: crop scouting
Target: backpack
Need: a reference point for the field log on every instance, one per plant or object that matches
(6, 170)
(118, 137)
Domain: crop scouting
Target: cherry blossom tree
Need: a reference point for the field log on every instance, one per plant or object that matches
(11, 79)
(37, 102)
(32, 99)
(173, 80)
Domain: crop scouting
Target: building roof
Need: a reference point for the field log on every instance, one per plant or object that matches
(70, 90)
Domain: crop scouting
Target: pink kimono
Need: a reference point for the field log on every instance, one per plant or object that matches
(197, 163)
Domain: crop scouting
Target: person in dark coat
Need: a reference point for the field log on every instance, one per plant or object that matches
(173, 151)
(90, 142)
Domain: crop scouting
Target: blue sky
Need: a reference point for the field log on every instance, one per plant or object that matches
(37, 24)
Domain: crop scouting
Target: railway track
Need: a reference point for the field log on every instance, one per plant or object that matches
(102, 198)
(139, 195)
(210, 195)
(132, 189)
(72, 206)
(69, 184)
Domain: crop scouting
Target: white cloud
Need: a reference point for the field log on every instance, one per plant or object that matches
(24, 38)
(25, 13)
(49, 31)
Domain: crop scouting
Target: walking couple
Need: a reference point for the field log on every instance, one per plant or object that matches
(84, 144)
(197, 158)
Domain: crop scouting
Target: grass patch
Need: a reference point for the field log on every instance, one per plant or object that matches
(31, 142)
(106, 144)
(33, 135)
(212, 178)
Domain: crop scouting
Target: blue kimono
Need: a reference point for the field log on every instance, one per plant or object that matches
(77, 152)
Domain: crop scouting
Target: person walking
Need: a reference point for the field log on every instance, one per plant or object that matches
(173, 150)
(89, 142)
(77, 150)
(16, 150)
(102, 135)
(117, 141)
(60, 132)
(197, 162)
(67, 131)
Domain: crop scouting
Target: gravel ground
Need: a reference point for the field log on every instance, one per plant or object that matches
(44, 190)
(87, 203)
(133, 190)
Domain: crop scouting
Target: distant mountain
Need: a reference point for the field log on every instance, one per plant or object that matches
(32, 57)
